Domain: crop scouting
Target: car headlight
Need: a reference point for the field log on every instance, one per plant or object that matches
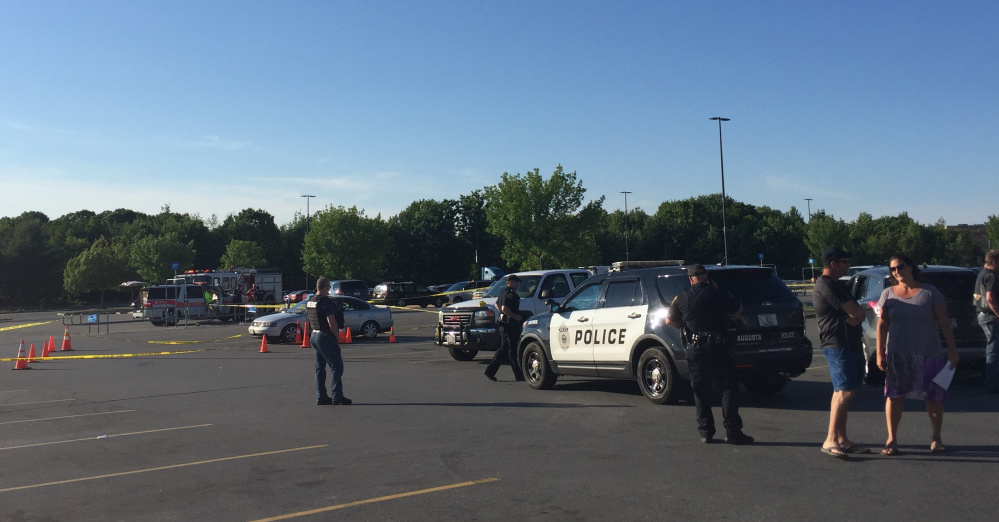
(484, 317)
(266, 325)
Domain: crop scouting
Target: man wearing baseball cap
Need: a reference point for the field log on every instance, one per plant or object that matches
(510, 322)
(839, 317)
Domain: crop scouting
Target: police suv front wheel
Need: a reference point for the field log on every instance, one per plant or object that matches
(462, 354)
(536, 369)
(657, 377)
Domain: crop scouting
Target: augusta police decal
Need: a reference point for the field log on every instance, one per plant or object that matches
(563, 336)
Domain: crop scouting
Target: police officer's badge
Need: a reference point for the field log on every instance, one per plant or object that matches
(563, 336)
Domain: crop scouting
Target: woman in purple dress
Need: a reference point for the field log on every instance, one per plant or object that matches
(909, 350)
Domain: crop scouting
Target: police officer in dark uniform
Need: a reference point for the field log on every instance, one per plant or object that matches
(326, 320)
(702, 312)
(510, 322)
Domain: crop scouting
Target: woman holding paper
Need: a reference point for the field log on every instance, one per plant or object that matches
(909, 348)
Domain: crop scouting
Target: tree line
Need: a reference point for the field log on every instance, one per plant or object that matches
(525, 221)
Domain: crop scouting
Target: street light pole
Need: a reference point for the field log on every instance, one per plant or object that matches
(809, 200)
(721, 158)
(626, 253)
(308, 228)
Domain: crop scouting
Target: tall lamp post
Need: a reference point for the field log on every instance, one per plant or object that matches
(809, 200)
(308, 228)
(721, 157)
(626, 253)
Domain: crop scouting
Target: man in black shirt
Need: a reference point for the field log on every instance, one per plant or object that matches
(987, 303)
(326, 319)
(838, 317)
(702, 311)
(510, 321)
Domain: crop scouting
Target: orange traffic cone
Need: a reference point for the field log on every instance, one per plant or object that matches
(341, 336)
(66, 346)
(51, 345)
(263, 344)
(31, 354)
(392, 338)
(22, 360)
(305, 338)
(347, 338)
(298, 331)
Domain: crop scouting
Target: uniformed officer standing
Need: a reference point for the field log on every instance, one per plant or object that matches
(326, 320)
(702, 312)
(510, 321)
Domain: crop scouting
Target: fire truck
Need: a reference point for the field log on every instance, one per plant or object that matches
(267, 281)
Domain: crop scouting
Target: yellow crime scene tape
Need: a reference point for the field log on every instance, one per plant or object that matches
(26, 325)
(103, 356)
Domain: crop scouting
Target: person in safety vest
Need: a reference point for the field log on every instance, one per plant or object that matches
(326, 319)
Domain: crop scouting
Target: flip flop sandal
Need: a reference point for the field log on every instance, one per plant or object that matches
(890, 450)
(835, 452)
(937, 447)
(855, 449)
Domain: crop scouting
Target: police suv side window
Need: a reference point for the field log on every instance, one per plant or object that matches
(670, 285)
(579, 277)
(586, 298)
(623, 293)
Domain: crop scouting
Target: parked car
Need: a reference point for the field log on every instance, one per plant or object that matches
(361, 317)
(613, 325)
(405, 294)
(957, 285)
(479, 293)
(462, 290)
(350, 287)
(296, 297)
(471, 326)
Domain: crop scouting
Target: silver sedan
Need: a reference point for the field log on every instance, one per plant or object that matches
(362, 318)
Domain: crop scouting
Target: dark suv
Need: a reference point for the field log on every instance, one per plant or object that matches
(614, 325)
(405, 294)
(957, 285)
(351, 288)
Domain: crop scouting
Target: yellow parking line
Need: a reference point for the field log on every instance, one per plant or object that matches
(160, 468)
(378, 499)
(67, 417)
(197, 342)
(107, 436)
(35, 402)
(104, 356)
(26, 325)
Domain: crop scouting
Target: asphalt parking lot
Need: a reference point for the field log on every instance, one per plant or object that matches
(194, 423)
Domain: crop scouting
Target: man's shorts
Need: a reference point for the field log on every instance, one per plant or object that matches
(846, 368)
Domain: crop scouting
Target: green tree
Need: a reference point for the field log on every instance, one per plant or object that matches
(543, 222)
(243, 253)
(101, 267)
(30, 269)
(256, 226)
(484, 248)
(825, 231)
(426, 246)
(992, 230)
(152, 256)
(345, 244)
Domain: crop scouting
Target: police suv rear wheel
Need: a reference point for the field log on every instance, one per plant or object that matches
(539, 375)
(657, 377)
(462, 354)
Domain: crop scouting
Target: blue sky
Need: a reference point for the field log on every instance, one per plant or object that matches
(216, 106)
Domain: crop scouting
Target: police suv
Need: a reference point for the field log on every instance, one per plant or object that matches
(614, 325)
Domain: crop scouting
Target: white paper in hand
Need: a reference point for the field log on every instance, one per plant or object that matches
(945, 376)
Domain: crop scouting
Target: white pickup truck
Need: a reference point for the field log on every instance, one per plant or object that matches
(470, 326)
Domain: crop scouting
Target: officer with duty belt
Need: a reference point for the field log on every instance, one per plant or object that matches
(326, 319)
(702, 312)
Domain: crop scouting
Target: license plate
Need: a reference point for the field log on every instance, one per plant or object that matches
(450, 339)
(767, 319)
